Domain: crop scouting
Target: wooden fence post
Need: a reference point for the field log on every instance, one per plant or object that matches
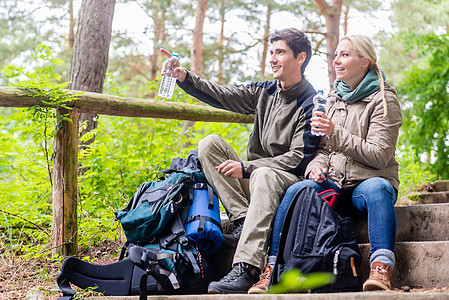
(64, 235)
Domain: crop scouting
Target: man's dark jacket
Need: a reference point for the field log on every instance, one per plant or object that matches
(281, 137)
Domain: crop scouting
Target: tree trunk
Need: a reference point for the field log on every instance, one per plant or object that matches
(221, 42)
(196, 51)
(266, 36)
(71, 26)
(332, 15)
(345, 22)
(158, 16)
(90, 53)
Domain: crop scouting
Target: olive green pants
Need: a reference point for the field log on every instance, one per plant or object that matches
(256, 198)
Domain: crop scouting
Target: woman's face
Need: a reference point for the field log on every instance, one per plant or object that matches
(348, 66)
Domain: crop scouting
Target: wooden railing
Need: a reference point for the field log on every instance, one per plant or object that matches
(65, 168)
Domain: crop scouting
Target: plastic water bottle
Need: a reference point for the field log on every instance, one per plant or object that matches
(319, 104)
(168, 81)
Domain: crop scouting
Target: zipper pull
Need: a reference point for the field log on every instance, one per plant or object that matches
(170, 207)
(337, 253)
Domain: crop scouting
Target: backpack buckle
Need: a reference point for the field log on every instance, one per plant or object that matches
(184, 241)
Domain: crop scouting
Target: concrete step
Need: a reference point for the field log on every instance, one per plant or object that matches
(418, 264)
(440, 185)
(436, 186)
(422, 248)
(388, 295)
(430, 197)
(425, 222)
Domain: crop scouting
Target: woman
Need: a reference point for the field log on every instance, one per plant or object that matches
(356, 155)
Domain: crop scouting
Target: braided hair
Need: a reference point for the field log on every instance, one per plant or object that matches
(365, 49)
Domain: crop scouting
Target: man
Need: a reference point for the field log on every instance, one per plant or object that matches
(278, 151)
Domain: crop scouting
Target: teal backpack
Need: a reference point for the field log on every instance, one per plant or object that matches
(153, 206)
(159, 256)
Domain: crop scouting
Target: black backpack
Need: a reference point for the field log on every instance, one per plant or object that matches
(158, 257)
(314, 238)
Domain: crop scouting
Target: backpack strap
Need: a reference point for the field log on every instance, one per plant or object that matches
(64, 286)
(203, 219)
(151, 260)
(330, 196)
(179, 234)
(110, 279)
(124, 250)
(210, 194)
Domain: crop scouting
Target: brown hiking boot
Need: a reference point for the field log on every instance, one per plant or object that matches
(261, 286)
(379, 277)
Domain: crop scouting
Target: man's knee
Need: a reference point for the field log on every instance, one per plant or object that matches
(262, 172)
(208, 143)
(267, 178)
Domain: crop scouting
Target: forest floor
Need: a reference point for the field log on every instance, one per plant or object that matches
(36, 278)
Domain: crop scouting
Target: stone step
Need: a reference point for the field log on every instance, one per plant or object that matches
(436, 186)
(430, 197)
(418, 226)
(388, 295)
(418, 264)
(440, 185)
(425, 222)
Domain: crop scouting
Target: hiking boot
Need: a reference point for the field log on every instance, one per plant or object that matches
(238, 280)
(379, 277)
(261, 286)
(231, 239)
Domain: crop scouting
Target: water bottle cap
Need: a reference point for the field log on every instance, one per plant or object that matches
(174, 54)
(320, 91)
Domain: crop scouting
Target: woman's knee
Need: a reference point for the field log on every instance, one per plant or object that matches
(376, 185)
(294, 188)
(375, 190)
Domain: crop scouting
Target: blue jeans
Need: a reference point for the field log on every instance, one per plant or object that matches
(374, 196)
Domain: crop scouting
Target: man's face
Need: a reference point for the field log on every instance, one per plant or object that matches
(286, 68)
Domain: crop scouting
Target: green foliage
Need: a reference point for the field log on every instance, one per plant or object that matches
(420, 16)
(87, 293)
(125, 153)
(424, 96)
(293, 281)
(129, 151)
(25, 167)
(24, 24)
(410, 17)
(412, 172)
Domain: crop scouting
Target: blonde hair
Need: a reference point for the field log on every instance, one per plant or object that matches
(365, 49)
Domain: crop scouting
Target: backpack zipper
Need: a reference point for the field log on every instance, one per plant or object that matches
(337, 253)
(320, 224)
(306, 222)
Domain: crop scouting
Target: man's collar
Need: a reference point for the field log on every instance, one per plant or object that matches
(296, 89)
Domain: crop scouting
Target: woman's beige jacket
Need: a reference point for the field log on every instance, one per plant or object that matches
(363, 142)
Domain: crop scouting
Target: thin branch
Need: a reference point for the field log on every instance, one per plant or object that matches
(316, 50)
(20, 217)
(314, 32)
(46, 148)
